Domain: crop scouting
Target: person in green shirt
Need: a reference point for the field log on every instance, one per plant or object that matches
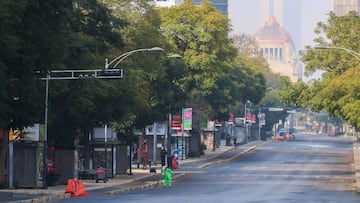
(167, 175)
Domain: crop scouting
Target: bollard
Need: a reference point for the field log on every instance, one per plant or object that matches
(138, 164)
(149, 162)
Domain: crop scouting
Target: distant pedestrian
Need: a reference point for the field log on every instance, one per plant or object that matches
(163, 154)
(167, 175)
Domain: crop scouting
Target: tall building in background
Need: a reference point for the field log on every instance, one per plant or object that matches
(343, 7)
(168, 3)
(280, 36)
(277, 47)
(288, 15)
(221, 5)
(272, 8)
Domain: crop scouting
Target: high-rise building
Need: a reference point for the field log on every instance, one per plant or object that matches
(280, 36)
(288, 15)
(220, 5)
(343, 7)
(168, 3)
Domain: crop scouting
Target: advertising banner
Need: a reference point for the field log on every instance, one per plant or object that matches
(187, 118)
(176, 122)
(248, 117)
(262, 119)
(253, 118)
(31, 133)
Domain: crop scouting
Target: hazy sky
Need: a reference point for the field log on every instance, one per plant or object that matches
(245, 17)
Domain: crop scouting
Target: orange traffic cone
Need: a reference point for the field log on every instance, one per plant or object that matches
(80, 189)
(70, 188)
(174, 163)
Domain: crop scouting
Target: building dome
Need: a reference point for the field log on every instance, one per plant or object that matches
(277, 47)
(273, 33)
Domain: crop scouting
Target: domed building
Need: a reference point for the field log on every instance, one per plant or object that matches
(277, 47)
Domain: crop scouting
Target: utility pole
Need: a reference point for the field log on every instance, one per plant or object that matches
(155, 143)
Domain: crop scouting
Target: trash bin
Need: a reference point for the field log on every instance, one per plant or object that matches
(100, 175)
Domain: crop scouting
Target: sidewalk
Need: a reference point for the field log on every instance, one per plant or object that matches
(138, 174)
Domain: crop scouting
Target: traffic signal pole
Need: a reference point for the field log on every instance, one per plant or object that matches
(69, 75)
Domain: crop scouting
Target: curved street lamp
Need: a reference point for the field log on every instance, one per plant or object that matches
(114, 63)
(353, 53)
(120, 58)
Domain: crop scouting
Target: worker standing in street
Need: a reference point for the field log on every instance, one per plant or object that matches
(163, 154)
(167, 175)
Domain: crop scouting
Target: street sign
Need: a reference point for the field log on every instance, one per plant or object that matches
(176, 122)
(14, 135)
(218, 123)
(275, 109)
(253, 118)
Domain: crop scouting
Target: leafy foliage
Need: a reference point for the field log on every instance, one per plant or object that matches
(336, 92)
(199, 33)
(215, 79)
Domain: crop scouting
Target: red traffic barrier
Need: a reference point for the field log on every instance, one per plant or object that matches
(174, 163)
(76, 188)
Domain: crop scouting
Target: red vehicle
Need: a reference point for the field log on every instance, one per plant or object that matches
(284, 135)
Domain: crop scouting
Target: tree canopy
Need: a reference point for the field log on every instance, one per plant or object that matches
(335, 93)
(216, 77)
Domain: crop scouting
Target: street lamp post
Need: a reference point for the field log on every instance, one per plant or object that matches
(351, 52)
(120, 58)
(167, 136)
(214, 131)
(259, 116)
(245, 122)
(114, 63)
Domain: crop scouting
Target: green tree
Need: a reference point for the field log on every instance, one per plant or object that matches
(32, 38)
(76, 106)
(335, 92)
(149, 77)
(200, 34)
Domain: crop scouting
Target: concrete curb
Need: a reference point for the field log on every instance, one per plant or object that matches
(149, 185)
(44, 198)
(52, 197)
